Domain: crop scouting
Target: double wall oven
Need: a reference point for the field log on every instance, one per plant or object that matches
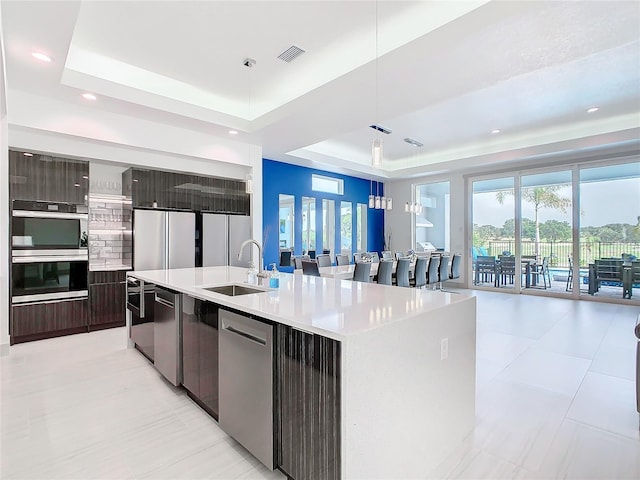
(49, 252)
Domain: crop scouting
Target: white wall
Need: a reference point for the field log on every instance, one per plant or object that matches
(4, 205)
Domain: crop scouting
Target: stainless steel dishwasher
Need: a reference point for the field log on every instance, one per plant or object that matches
(166, 335)
(246, 383)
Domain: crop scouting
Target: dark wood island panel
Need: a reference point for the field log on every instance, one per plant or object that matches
(308, 394)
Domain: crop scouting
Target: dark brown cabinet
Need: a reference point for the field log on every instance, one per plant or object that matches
(200, 352)
(308, 399)
(44, 320)
(107, 299)
(185, 191)
(47, 178)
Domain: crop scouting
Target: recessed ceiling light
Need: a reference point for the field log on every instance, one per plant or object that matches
(89, 96)
(593, 109)
(76, 184)
(27, 154)
(41, 56)
(86, 177)
(233, 132)
(494, 131)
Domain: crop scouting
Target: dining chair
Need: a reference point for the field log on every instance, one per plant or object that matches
(507, 268)
(569, 287)
(342, 260)
(323, 260)
(443, 270)
(454, 271)
(543, 271)
(402, 272)
(387, 255)
(432, 270)
(285, 258)
(310, 267)
(362, 272)
(456, 262)
(420, 272)
(399, 255)
(385, 272)
(297, 263)
(485, 270)
(375, 258)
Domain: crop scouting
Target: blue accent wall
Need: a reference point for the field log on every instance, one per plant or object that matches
(283, 178)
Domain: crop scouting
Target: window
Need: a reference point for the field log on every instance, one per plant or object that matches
(328, 225)
(286, 230)
(309, 225)
(361, 228)
(320, 183)
(346, 222)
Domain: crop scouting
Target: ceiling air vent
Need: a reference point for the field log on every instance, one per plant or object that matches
(380, 128)
(290, 54)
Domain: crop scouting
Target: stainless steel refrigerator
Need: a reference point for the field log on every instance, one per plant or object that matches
(163, 239)
(222, 236)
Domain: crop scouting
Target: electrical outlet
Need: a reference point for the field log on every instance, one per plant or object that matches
(444, 349)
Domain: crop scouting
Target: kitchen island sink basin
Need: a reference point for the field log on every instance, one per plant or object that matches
(234, 289)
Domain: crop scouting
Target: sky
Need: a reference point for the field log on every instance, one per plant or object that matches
(613, 201)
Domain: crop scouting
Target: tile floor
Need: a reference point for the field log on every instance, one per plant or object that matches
(555, 399)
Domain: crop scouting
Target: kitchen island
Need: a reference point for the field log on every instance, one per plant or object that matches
(370, 381)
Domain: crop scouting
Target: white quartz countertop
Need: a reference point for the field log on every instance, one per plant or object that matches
(330, 307)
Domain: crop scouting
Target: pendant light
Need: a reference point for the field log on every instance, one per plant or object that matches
(376, 147)
(372, 199)
(378, 199)
(414, 207)
(248, 179)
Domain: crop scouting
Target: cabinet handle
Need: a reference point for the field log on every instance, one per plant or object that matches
(164, 302)
(246, 335)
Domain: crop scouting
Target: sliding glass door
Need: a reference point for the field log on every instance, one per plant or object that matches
(609, 232)
(546, 244)
(569, 231)
(493, 221)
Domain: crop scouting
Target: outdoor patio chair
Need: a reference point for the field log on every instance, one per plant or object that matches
(542, 270)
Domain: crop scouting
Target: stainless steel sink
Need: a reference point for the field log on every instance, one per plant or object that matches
(234, 290)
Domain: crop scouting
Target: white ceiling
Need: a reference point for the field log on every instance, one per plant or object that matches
(443, 73)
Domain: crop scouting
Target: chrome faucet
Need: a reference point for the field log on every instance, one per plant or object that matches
(261, 273)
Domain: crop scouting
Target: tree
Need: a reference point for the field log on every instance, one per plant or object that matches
(556, 231)
(528, 229)
(483, 233)
(539, 197)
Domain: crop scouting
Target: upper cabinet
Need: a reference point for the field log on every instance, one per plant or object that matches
(47, 178)
(149, 188)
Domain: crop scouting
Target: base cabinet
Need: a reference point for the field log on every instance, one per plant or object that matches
(107, 299)
(50, 319)
(307, 396)
(200, 352)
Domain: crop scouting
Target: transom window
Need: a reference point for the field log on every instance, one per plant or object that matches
(320, 183)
